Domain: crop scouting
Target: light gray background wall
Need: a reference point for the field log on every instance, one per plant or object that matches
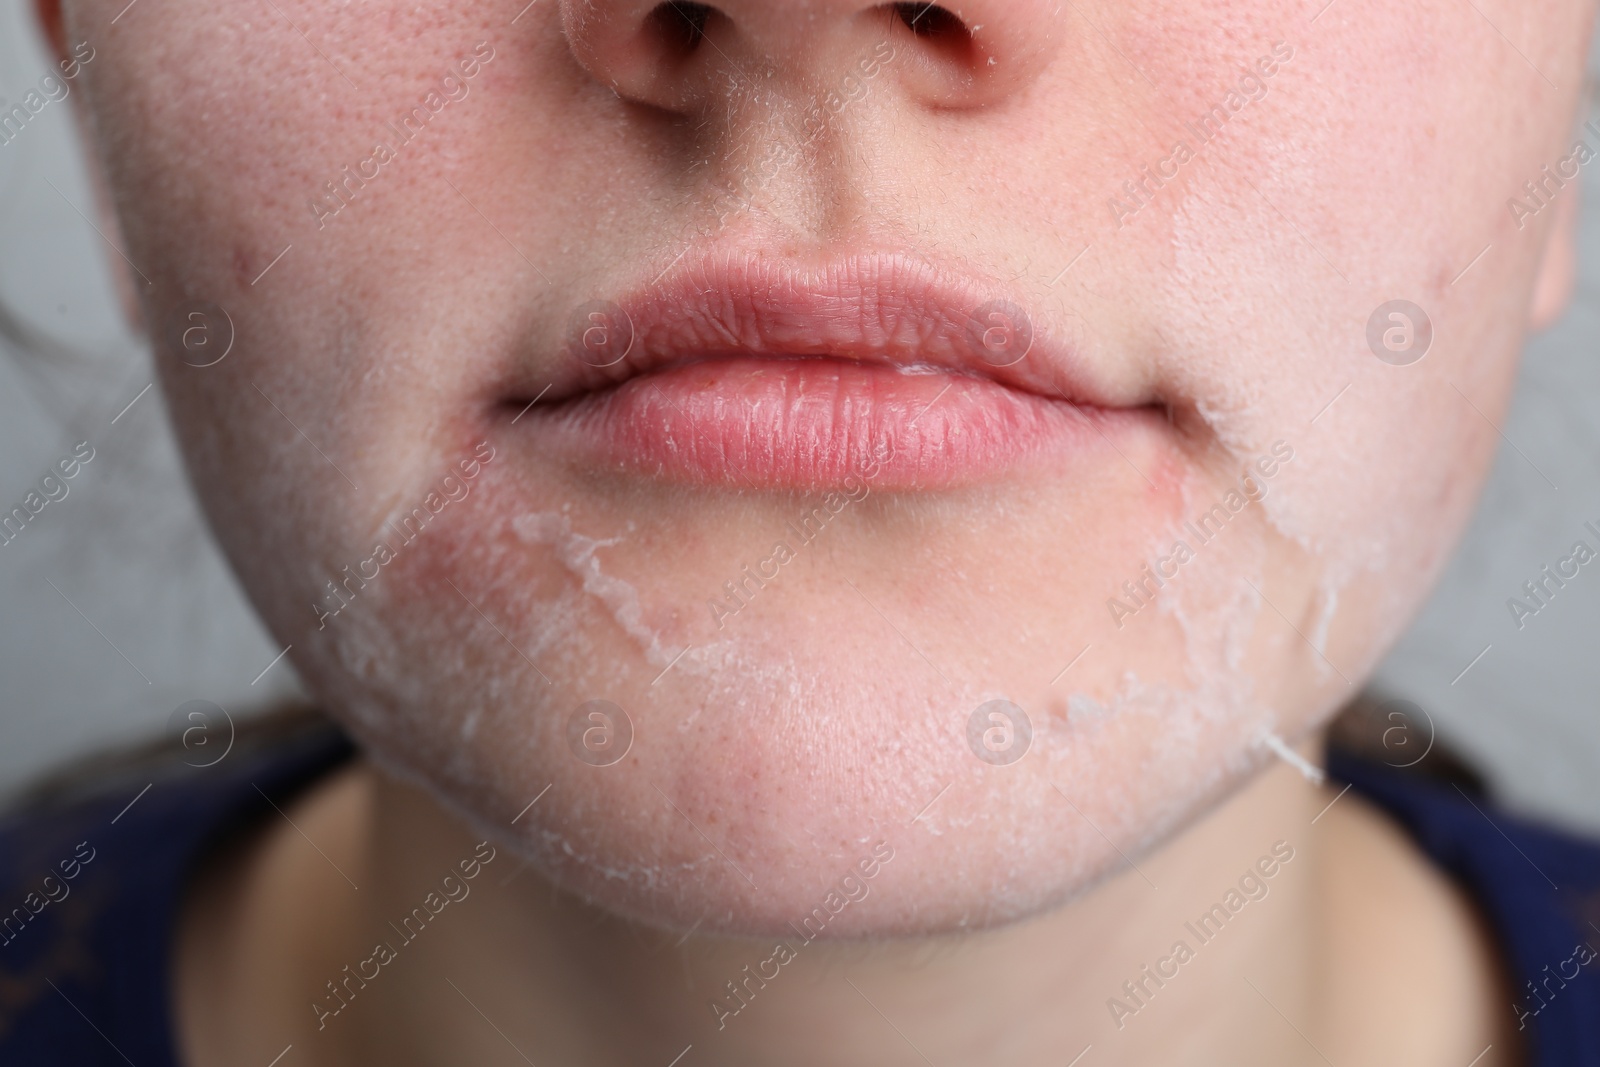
(126, 546)
(143, 616)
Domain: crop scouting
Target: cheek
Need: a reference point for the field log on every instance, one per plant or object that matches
(1376, 168)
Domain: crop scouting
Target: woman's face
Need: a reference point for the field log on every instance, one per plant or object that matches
(804, 378)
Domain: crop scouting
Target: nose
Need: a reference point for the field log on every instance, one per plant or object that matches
(681, 55)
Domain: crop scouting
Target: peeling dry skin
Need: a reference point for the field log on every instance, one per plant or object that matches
(578, 554)
(774, 747)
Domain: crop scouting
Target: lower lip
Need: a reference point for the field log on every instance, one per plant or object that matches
(814, 423)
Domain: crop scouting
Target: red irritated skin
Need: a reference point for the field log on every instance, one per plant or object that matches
(801, 527)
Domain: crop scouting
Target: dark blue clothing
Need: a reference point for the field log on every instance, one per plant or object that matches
(1538, 890)
(93, 887)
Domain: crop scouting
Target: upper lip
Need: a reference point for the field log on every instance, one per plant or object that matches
(891, 309)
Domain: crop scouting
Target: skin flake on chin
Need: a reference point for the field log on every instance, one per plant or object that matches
(577, 554)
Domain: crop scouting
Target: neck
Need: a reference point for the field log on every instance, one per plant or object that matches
(1223, 944)
(560, 976)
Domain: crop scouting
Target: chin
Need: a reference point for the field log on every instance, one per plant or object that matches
(815, 751)
(797, 563)
(843, 816)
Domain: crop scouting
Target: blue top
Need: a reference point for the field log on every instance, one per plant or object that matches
(1537, 889)
(93, 881)
(91, 886)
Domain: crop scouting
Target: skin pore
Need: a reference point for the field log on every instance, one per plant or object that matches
(1195, 211)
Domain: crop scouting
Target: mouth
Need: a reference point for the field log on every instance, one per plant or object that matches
(757, 373)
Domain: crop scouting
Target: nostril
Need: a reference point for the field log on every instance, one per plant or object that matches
(932, 21)
(679, 24)
(678, 55)
(951, 62)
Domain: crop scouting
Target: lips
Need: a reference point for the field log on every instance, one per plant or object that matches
(758, 373)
